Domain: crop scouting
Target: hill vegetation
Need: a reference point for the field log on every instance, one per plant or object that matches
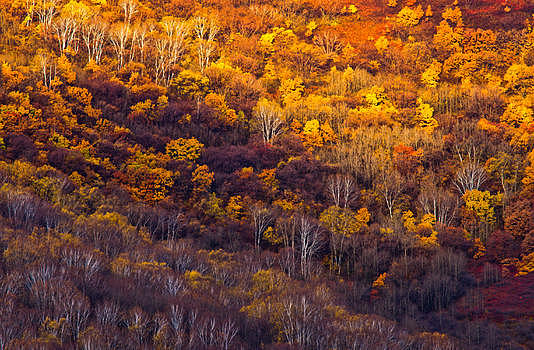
(280, 174)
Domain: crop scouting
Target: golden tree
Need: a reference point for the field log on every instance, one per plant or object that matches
(184, 149)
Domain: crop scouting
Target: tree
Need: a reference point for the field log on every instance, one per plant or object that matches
(390, 186)
(311, 134)
(519, 79)
(93, 33)
(67, 26)
(504, 168)
(268, 119)
(205, 30)
(342, 223)
(471, 175)
(190, 84)
(202, 179)
(184, 149)
(261, 220)
(342, 190)
(298, 319)
(310, 240)
(170, 47)
(409, 17)
(430, 77)
(48, 70)
(450, 31)
(439, 202)
(120, 33)
(46, 10)
(483, 203)
(425, 116)
(328, 42)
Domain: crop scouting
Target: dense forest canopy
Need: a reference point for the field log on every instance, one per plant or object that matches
(278, 174)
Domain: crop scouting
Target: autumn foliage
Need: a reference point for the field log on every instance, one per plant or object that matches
(303, 174)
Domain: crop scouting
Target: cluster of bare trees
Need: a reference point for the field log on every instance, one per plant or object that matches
(328, 42)
(205, 31)
(438, 202)
(94, 37)
(130, 39)
(302, 235)
(162, 224)
(342, 190)
(261, 220)
(268, 117)
(169, 49)
(44, 9)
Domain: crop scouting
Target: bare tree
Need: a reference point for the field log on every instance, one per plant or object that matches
(177, 323)
(227, 332)
(129, 8)
(77, 311)
(342, 189)
(287, 261)
(107, 314)
(8, 329)
(137, 321)
(297, 320)
(93, 35)
(170, 47)
(268, 119)
(261, 219)
(30, 10)
(67, 27)
(86, 261)
(438, 202)
(177, 318)
(390, 187)
(142, 38)
(310, 242)
(205, 31)
(328, 42)
(118, 36)
(174, 224)
(471, 175)
(48, 69)
(121, 33)
(173, 284)
(46, 10)
(206, 331)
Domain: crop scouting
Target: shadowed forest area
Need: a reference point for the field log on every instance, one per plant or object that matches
(278, 174)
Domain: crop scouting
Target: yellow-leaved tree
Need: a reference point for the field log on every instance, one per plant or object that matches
(482, 204)
(430, 77)
(425, 116)
(343, 223)
(202, 179)
(409, 17)
(184, 149)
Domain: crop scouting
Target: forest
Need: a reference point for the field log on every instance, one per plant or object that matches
(267, 174)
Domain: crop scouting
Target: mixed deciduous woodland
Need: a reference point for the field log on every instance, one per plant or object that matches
(277, 174)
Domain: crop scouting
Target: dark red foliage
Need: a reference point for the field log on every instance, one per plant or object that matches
(228, 159)
(454, 237)
(20, 146)
(501, 245)
(175, 110)
(109, 150)
(149, 140)
(236, 184)
(514, 298)
(67, 161)
(104, 90)
(518, 218)
(304, 175)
